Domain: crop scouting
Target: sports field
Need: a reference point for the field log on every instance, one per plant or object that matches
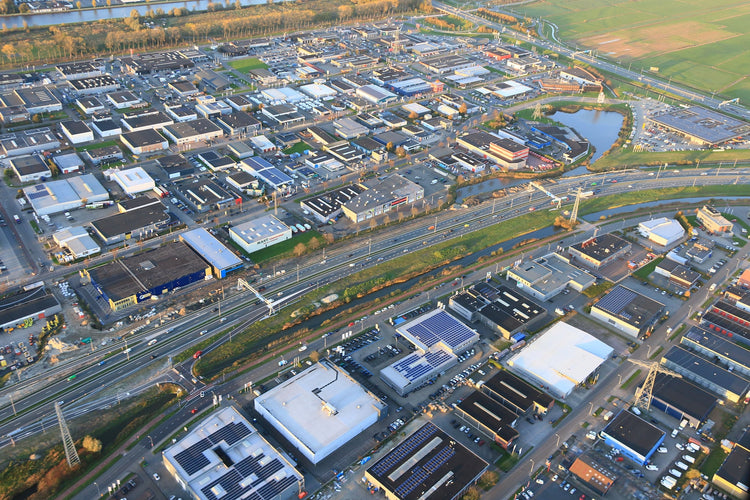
(703, 44)
(245, 65)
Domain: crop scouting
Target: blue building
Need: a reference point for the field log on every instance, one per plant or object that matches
(222, 259)
(633, 436)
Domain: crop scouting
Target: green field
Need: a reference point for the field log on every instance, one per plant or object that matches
(245, 65)
(701, 44)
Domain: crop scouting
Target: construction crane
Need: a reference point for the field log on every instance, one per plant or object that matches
(271, 304)
(644, 393)
(730, 101)
(557, 200)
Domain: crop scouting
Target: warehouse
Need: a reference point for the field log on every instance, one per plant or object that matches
(131, 280)
(597, 476)
(183, 88)
(207, 195)
(77, 241)
(224, 456)
(149, 120)
(181, 113)
(318, 91)
(38, 100)
(682, 400)
(320, 409)
(628, 311)
(285, 94)
(222, 259)
(713, 221)
(216, 162)
(633, 436)
(132, 180)
(175, 166)
(123, 100)
(727, 319)
(677, 274)
(30, 168)
(327, 206)
(260, 233)
(239, 123)
(242, 182)
(154, 62)
(94, 85)
(36, 304)
(391, 193)
(211, 81)
(446, 64)
(106, 127)
(438, 329)
(200, 130)
(266, 173)
(702, 126)
(718, 348)
(429, 463)
(490, 418)
(561, 358)
(55, 197)
(345, 152)
(283, 114)
(210, 108)
(662, 231)
(79, 69)
(241, 149)
(716, 379)
(600, 250)
(375, 94)
(547, 276)
(68, 163)
(145, 141)
(516, 395)
(138, 223)
(733, 473)
(28, 142)
(76, 131)
(501, 151)
(349, 129)
(89, 105)
(409, 373)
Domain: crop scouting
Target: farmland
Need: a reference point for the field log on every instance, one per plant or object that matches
(705, 45)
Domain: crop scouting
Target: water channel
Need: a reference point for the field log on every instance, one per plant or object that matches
(600, 128)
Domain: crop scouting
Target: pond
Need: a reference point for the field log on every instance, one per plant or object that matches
(600, 128)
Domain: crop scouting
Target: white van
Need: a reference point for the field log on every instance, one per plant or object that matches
(674, 432)
(682, 465)
(688, 458)
(675, 473)
(152, 342)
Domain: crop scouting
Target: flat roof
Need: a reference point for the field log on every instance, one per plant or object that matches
(517, 393)
(630, 307)
(327, 203)
(322, 406)
(223, 456)
(511, 310)
(427, 464)
(389, 189)
(717, 344)
(192, 128)
(705, 124)
(417, 365)
(148, 137)
(550, 272)
(684, 396)
(211, 249)
(438, 327)
(715, 374)
(130, 221)
(597, 475)
(150, 119)
(75, 127)
(669, 229)
(25, 304)
(561, 357)
(736, 468)
(491, 414)
(139, 273)
(634, 432)
(135, 177)
(601, 247)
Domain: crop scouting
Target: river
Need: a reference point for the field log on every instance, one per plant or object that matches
(600, 128)
(79, 16)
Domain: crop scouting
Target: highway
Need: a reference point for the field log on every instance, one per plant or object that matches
(314, 271)
(598, 62)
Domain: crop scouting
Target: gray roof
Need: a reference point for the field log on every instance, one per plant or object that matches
(717, 344)
(629, 306)
(211, 249)
(693, 363)
(705, 124)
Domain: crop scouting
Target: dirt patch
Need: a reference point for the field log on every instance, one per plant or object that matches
(641, 42)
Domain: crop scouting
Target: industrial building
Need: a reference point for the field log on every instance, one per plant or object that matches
(502, 309)
(490, 418)
(137, 223)
(320, 409)
(28, 142)
(547, 276)
(266, 173)
(628, 311)
(103, 155)
(206, 194)
(131, 280)
(123, 100)
(427, 464)
(728, 385)
(150, 120)
(500, 150)
(713, 221)
(30, 168)
(515, 394)
(222, 259)
(67, 163)
(389, 194)
(132, 180)
(76, 131)
(633, 436)
(600, 250)
(702, 126)
(200, 130)
(662, 231)
(106, 127)
(734, 472)
(53, 197)
(79, 69)
(77, 241)
(682, 400)
(260, 233)
(327, 206)
(98, 84)
(409, 373)
(560, 358)
(597, 476)
(224, 457)
(37, 304)
(727, 319)
(679, 275)
(144, 141)
(718, 348)
(89, 105)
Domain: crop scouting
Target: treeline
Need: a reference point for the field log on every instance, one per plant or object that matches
(522, 26)
(441, 23)
(179, 27)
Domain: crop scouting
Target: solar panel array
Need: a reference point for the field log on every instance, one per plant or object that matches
(230, 482)
(616, 300)
(415, 365)
(441, 327)
(419, 474)
(192, 459)
(437, 358)
(395, 457)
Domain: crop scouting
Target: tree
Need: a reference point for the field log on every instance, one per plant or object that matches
(462, 109)
(23, 8)
(488, 480)
(389, 147)
(313, 244)
(328, 237)
(314, 356)
(9, 51)
(299, 249)
(471, 494)
(78, 5)
(400, 152)
(413, 115)
(93, 3)
(92, 444)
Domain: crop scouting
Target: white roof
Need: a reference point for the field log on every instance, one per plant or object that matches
(513, 88)
(286, 94)
(561, 357)
(211, 249)
(447, 110)
(472, 71)
(318, 90)
(668, 229)
(416, 107)
(133, 180)
(261, 142)
(321, 406)
(263, 227)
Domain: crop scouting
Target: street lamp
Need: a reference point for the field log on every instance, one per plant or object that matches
(151, 441)
(619, 378)
(591, 408)
(531, 471)
(558, 440)
(98, 491)
(648, 351)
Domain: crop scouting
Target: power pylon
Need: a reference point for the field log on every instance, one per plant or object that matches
(70, 447)
(574, 212)
(644, 393)
(537, 111)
